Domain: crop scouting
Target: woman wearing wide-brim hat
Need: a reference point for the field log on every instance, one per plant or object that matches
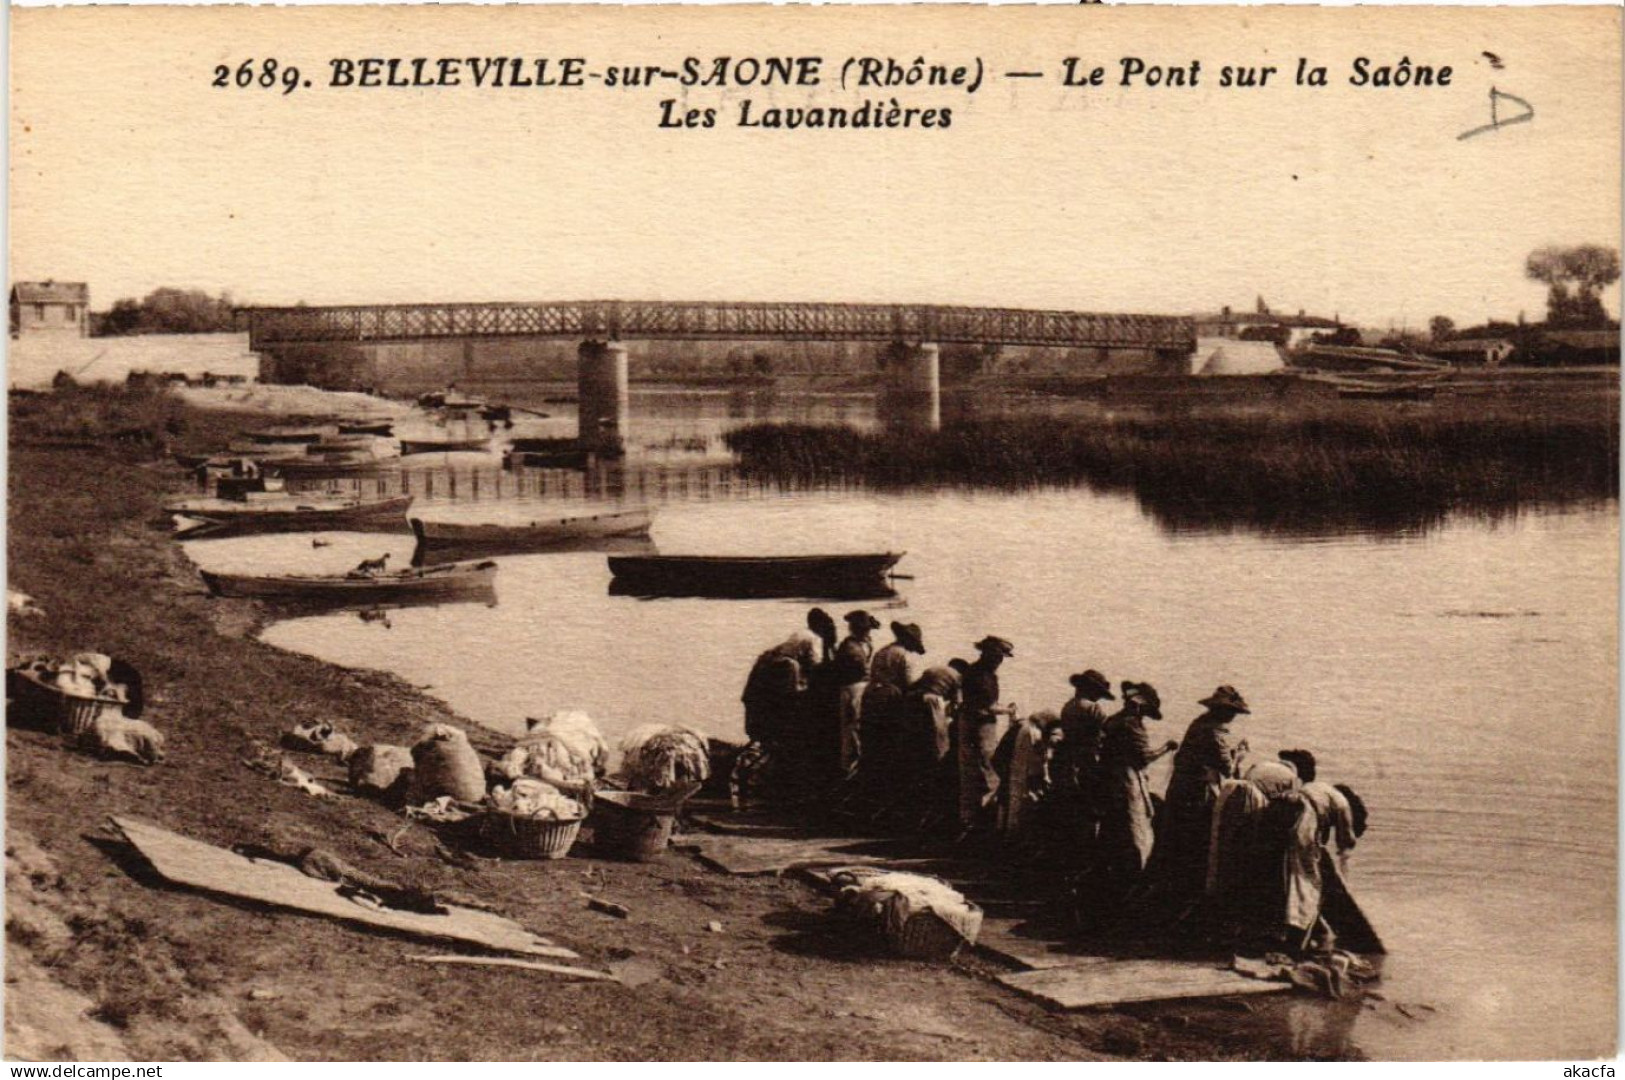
(880, 719)
(981, 726)
(1127, 835)
(1075, 769)
(850, 673)
(1209, 754)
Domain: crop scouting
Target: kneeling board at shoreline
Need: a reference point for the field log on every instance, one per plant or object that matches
(1118, 982)
(197, 865)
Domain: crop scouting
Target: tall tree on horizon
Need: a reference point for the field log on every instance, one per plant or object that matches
(1574, 278)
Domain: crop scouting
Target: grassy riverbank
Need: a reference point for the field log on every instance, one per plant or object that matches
(107, 962)
(1306, 464)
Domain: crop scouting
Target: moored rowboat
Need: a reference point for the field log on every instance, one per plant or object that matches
(436, 446)
(534, 534)
(291, 513)
(366, 427)
(769, 575)
(286, 435)
(449, 582)
(331, 466)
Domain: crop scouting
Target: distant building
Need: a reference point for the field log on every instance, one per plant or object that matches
(1479, 352)
(1578, 348)
(1288, 331)
(50, 307)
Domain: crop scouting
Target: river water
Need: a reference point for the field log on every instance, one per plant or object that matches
(1462, 679)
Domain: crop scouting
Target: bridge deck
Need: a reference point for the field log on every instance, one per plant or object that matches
(642, 320)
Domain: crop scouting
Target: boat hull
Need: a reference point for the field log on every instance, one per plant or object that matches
(810, 576)
(218, 517)
(331, 467)
(368, 427)
(556, 530)
(452, 582)
(443, 446)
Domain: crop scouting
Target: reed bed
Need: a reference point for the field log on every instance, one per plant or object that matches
(1309, 464)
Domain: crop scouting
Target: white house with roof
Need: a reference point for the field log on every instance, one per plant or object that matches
(50, 307)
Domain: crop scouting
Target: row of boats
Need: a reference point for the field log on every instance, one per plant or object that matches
(452, 558)
(356, 448)
(814, 576)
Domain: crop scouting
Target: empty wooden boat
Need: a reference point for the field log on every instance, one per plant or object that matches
(287, 434)
(332, 466)
(451, 581)
(367, 427)
(534, 535)
(750, 576)
(283, 512)
(446, 445)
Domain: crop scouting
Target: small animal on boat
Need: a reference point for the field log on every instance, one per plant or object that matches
(318, 542)
(371, 567)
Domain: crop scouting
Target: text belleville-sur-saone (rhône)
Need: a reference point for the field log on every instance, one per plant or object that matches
(868, 73)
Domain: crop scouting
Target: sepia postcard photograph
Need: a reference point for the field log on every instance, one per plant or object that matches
(744, 533)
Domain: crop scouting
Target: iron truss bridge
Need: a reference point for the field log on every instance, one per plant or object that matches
(613, 320)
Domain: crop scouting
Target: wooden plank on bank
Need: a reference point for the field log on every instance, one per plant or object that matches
(510, 962)
(999, 938)
(197, 865)
(1118, 982)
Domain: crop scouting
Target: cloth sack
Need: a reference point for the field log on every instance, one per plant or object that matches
(443, 763)
(120, 737)
(377, 769)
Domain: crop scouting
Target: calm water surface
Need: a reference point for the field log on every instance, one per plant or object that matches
(1463, 680)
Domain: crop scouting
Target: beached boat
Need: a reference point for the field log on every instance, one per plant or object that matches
(333, 465)
(282, 512)
(534, 535)
(367, 427)
(287, 434)
(437, 584)
(448, 445)
(750, 576)
(265, 451)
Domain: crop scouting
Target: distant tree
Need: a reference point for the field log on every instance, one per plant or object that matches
(1440, 327)
(171, 311)
(1574, 278)
(124, 318)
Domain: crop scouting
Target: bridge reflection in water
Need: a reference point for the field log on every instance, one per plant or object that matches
(623, 481)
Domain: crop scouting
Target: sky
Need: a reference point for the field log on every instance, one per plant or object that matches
(130, 171)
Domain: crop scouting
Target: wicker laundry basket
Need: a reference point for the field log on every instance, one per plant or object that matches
(927, 936)
(46, 705)
(521, 836)
(631, 825)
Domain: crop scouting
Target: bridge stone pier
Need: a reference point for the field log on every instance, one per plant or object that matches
(604, 396)
(914, 386)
